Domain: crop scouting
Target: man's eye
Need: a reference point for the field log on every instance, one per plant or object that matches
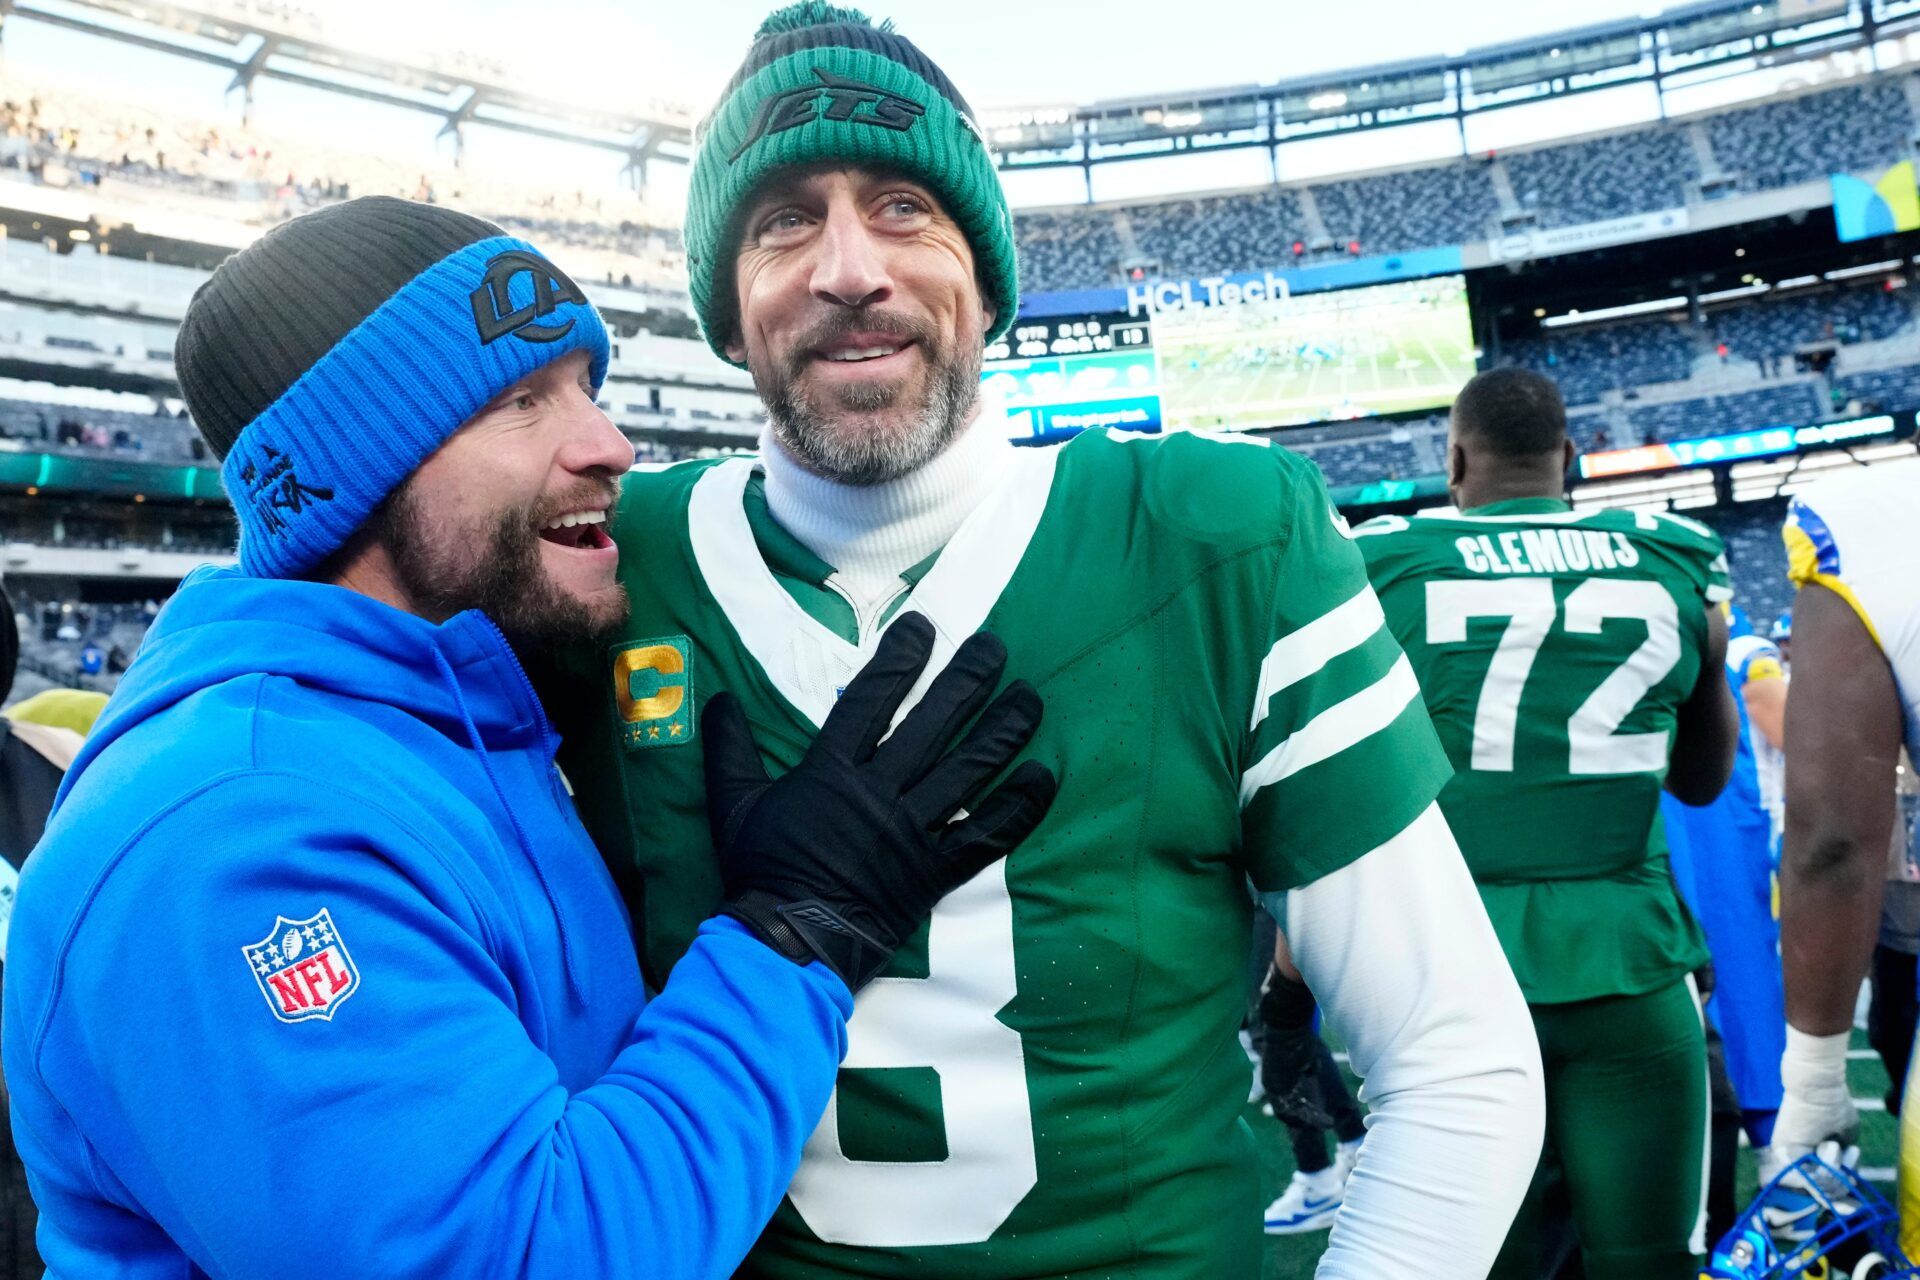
(524, 400)
(903, 206)
(785, 220)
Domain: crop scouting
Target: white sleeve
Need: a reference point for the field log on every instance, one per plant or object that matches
(1399, 952)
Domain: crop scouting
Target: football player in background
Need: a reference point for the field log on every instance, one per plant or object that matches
(1572, 664)
(1853, 549)
(1307, 1095)
(1046, 1081)
(1723, 857)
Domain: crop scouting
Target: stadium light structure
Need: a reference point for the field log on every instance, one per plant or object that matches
(460, 88)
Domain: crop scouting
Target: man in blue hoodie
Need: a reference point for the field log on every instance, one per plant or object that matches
(315, 973)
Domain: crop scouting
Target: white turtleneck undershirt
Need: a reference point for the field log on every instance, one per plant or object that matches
(871, 534)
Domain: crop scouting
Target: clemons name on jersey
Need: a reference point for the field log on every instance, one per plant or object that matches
(1554, 650)
(1046, 1081)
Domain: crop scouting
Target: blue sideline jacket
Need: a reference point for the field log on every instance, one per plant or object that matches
(316, 974)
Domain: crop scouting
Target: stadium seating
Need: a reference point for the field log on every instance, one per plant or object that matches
(1061, 249)
(51, 133)
(1877, 390)
(1777, 144)
(1791, 404)
(1415, 209)
(1589, 362)
(1756, 555)
(52, 428)
(1602, 177)
(1777, 326)
(1218, 234)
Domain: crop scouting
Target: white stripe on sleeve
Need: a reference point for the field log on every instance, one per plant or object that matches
(1334, 730)
(1299, 654)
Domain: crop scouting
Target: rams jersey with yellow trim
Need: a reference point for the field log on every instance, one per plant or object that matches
(1858, 535)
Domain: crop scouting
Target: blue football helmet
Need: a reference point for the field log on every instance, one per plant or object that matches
(1841, 1229)
(1782, 628)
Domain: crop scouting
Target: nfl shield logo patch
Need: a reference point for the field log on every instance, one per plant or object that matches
(302, 968)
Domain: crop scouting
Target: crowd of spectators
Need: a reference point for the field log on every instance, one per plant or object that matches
(1854, 128)
(1587, 363)
(1782, 326)
(1414, 209)
(1601, 178)
(158, 436)
(1788, 404)
(1211, 235)
(53, 134)
(1803, 139)
(68, 643)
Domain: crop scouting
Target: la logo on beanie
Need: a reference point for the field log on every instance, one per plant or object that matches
(834, 98)
(494, 312)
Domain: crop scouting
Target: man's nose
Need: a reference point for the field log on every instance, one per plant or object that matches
(850, 268)
(594, 444)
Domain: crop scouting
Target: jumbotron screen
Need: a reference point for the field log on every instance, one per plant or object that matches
(1057, 377)
(1315, 357)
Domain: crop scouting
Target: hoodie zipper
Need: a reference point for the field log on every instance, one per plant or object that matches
(569, 962)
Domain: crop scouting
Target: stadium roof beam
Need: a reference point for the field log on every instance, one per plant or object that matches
(460, 96)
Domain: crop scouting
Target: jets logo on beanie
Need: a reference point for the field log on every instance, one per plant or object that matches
(823, 84)
(331, 357)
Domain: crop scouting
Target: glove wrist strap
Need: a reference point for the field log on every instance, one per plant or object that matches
(760, 911)
(812, 930)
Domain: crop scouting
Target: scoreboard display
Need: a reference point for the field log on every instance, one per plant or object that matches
(1316, 357)
(1227, 358)
(1059, 376)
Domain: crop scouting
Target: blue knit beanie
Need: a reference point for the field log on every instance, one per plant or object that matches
(331, 357)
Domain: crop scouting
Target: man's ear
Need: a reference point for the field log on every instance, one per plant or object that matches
(1456, 465)
(735, 346)
(1567, 454)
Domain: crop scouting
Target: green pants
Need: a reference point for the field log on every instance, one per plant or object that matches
(1626, 1084)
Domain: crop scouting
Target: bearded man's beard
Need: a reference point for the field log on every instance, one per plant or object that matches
(846, 433)
(495, 568)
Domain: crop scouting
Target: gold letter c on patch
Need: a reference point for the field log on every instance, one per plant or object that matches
(662, 660)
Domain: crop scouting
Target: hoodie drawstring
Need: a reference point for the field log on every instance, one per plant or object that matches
(574, 983)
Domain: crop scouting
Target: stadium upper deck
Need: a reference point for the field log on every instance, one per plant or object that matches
(111, 178)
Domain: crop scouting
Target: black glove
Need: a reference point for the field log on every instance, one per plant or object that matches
(845, 856)
(1290, 1055)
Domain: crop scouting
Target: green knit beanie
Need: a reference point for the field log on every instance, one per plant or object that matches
(822, 83)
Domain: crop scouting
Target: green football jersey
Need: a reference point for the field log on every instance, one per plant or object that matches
(1046, 1081)
(1554, 651)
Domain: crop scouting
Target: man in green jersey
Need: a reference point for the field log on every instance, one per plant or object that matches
(1046, 1081)
(1572, 664)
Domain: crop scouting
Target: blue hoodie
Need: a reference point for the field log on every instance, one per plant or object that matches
(316, 974)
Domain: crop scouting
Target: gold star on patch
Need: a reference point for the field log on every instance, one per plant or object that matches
(673, 730)
(653, 731)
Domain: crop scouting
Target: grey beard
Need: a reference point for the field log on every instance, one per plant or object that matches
(864, 458)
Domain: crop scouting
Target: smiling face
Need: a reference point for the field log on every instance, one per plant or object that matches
(861, 318)
(509, 515)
